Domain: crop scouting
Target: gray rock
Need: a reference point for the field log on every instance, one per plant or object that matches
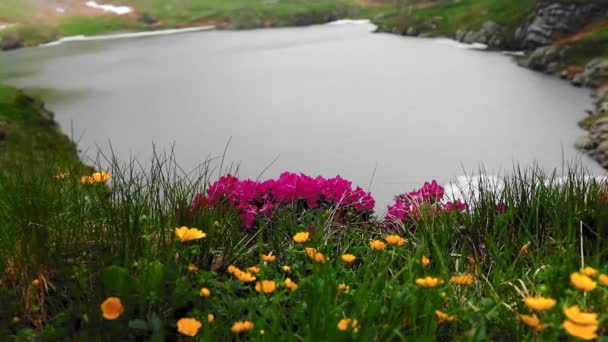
(460, 35)
(552, 19)
(412, 31)
(10, 43)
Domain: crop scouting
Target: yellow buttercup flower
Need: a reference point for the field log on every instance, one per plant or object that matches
(310, 252)
(320, 258)
(205, 292)
(582, 282)
(253, 269)
(301, 237)
(525, 249)
(240, 326)
(290, 284)
(463, 279)
(428, 282)
(192, 268)
(443, 317)
(233, 269)
(343, 287)
(603, 279)
(97, 177)
(286, 269)
(585, 318)
(424, 261)
(266, 286)
(348, 324)
(377, 245)
(112, 308)
(210, 318)
(348, 258)
(395, 240)
(533, 322)
(589, 271)
(245, 277)
(188, 234)
(36, 282)
(539, 303)
(585, 332)
(188, 326)
(268, 258)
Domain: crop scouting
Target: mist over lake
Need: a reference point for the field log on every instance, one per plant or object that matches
(332, 99)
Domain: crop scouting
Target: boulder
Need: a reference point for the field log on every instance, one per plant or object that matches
(551, 19)
(10, 43)
(546, 58)
(412, 31)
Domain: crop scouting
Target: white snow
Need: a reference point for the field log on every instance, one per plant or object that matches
(127, 35)
(119, 10)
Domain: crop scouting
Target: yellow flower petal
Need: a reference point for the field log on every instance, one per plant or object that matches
(582, 282)
(188, 326)
(241, 326)
(539, 303)
(575, 315)
(585, 332)
(301, 237)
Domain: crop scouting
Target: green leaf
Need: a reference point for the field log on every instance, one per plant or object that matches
(138, 324)
(117, 281)
(151, 278)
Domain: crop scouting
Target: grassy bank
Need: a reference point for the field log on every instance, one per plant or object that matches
(102, 260)
(29, 135)
(154, 14)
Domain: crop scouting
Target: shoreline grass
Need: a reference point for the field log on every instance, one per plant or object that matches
(68, 246)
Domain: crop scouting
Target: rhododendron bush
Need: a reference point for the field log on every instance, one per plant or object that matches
(255, 199)
(407, 207)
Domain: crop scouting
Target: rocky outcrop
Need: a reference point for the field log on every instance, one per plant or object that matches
(593, 75)
(548, 59)
(552, 19)
(10, 43)
(490, 34)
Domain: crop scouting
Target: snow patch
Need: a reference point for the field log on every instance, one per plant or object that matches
(119, 10)
(350, 21)
(127, 35)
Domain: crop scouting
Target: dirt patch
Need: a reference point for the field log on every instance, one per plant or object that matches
(425, 4)
(584, 33)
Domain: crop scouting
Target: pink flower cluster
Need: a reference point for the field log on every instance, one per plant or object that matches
(407, 206)
(253, 199)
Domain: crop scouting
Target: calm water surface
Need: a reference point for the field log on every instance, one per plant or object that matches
(331, 99)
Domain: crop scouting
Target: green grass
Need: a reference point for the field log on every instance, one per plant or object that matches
(87, 242)
(588, 48)
(243, 13)
(450, 16)
(15, 10)
(31, 136)
(82, 25)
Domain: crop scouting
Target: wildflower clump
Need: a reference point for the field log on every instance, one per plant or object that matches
(253, 199)
(407, 207)
(112, 308)
(189, 326)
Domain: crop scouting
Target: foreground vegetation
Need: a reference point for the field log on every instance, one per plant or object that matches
(135, 255)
